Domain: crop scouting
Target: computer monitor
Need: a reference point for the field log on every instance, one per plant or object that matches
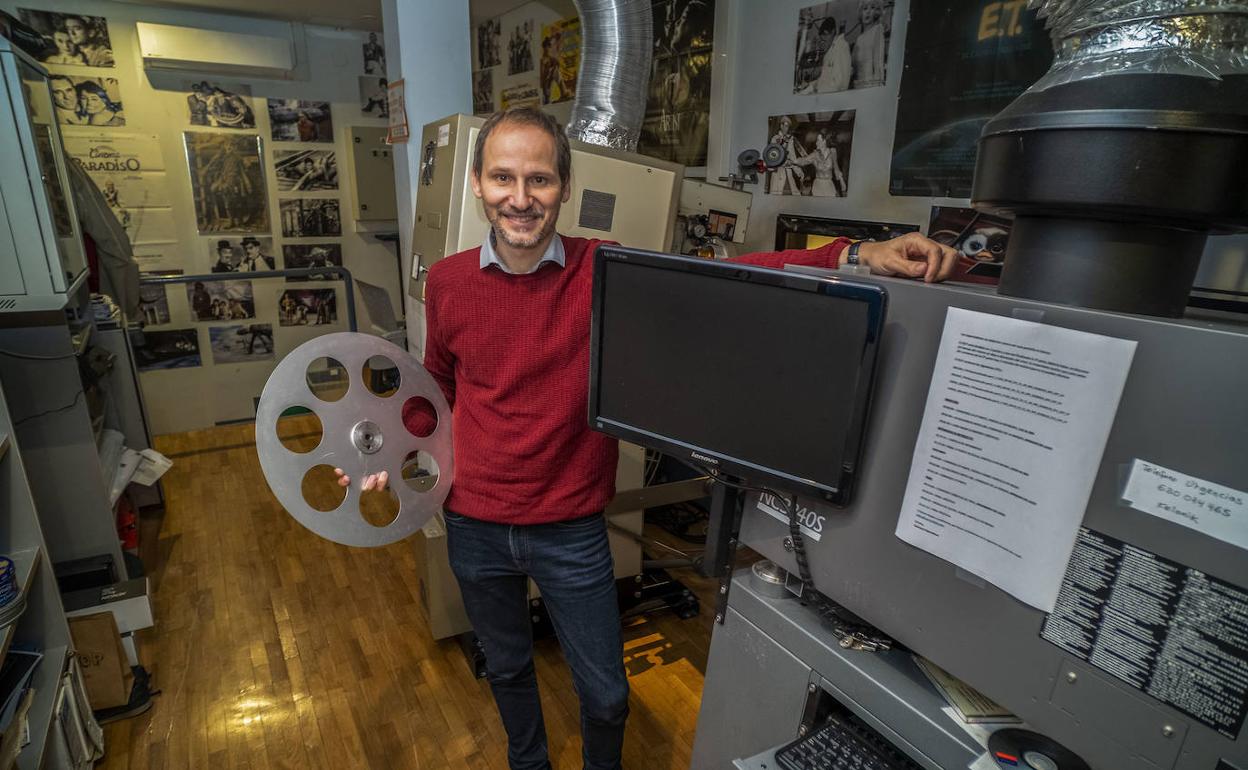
(761, 374)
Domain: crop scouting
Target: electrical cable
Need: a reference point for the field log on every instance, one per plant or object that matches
(33, 357)
(852, 633)
(47, 412)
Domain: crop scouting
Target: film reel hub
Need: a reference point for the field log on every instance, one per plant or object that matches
(367, 437)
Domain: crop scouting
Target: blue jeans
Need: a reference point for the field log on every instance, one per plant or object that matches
(570, 561)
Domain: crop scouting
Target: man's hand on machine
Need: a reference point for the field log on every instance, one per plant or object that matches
(911, 255)
(376, 481)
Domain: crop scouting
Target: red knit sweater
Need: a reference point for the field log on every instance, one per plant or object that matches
(511, 353)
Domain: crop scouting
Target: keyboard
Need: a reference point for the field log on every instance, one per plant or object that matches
(843, 744)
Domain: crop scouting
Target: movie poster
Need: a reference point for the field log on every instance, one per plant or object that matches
(842, 44)
(483, 92)
(374, 97)
(310, 218)
(311, 256)
(214, 105)
(304, 170)
(678, 103)
(817, 151)
(308, 307)
(129, 170)
(489, 43)
(520, 48)
(295, 120)
(965, 61)
(249, 254)
(71, 38)
(241, 344)
(979, 238)
(227, 182)
(221, 300)
(561, 60)
(83, 101)
(523, 95)
(167, 349)
(153, 304)
(374, 56)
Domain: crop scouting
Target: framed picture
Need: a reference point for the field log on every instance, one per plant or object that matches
(227, 182)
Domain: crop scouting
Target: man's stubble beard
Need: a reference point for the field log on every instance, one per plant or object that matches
(501, 233)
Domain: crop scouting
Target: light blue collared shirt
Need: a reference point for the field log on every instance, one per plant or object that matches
(489, 256)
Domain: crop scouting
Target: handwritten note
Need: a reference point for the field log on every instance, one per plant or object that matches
(1209, 508)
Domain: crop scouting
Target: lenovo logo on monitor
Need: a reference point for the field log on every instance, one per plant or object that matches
(704, 458)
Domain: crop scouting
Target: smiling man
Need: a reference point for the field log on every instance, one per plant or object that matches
(508, 342)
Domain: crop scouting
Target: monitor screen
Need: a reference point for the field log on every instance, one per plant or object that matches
(762, 373)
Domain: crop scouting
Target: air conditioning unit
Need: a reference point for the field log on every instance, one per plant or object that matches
(270, 55)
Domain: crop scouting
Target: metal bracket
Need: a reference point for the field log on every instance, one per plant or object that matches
(722, 537)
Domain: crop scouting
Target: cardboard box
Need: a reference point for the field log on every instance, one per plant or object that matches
(105, 670)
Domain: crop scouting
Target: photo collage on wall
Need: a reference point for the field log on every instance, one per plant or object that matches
(75, 48)
(678, 103)
(841, 46)
(229, 170)
(524, 62)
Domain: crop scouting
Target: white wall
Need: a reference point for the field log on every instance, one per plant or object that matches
(428, 46)
(184, 399)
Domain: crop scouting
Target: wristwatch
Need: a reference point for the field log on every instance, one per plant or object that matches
(851, 256)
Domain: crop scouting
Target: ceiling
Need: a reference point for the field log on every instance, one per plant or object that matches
(357, 14)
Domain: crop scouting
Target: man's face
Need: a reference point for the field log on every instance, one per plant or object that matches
(77, 30)
(519, 186)
(226, 254)
(63, 94)
(252, 249)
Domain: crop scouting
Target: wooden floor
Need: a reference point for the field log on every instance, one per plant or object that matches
(275, 648)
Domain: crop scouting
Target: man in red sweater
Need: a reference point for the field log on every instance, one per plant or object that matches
(507, 328)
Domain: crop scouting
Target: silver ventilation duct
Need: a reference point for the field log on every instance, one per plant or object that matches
(1120, 162)
(1095, 38)
(617, 40)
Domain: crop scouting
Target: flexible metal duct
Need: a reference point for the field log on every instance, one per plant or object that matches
(617, 41)
(1095, 38)
(1125, 156)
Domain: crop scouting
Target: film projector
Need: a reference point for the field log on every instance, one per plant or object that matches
(362, 432)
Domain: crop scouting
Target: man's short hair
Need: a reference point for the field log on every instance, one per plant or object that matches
(526, 116)
(827, 27)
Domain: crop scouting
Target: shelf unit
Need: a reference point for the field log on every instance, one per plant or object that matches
(42, 626)
(25, 562)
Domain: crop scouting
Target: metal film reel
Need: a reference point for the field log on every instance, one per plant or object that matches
(362, 433)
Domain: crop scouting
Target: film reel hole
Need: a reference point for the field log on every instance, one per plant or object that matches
(299, 430)
(320, 488)
(419, 417)
(381, 376)
(379, 508)
(420, 472)
(328, 379)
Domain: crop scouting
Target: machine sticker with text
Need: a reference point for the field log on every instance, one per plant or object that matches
(1168, 630)
(810, 520)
